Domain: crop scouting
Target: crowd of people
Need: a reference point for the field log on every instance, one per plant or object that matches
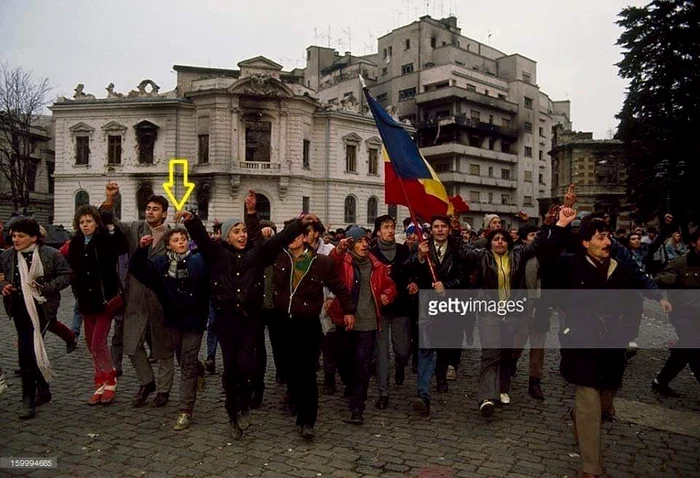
(349, 296)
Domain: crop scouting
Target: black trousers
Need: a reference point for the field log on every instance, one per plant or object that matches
(236, 332)
(32, 379)
(357, 351)
(304, 341)
(274, 322)
(677, 360)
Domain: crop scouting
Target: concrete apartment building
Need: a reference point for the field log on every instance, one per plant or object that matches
(253, 127)
(597, 167)
(480, 118)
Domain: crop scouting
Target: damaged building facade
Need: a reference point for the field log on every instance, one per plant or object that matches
(256, 127)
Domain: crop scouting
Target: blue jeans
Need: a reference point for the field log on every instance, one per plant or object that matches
(77, 320)
(426, 368)
(211, 335)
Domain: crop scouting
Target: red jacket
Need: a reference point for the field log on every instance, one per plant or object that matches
(380, 282)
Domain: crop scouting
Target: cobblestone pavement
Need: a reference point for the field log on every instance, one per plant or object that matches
(525, 439)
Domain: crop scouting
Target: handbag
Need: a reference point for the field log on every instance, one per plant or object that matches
(115, 305)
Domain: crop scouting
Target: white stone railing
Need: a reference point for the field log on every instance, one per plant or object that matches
(259, 166)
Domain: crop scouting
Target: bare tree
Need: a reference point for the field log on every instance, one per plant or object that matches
(21, 102)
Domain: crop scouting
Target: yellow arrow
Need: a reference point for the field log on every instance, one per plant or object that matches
(189, 187)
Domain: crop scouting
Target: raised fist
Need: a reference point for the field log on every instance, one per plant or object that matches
(250, 201)
(111, 190)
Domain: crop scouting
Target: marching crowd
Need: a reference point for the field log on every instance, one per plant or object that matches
(350, 296)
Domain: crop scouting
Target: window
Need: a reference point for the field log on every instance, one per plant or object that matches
(486, 92)
(474, 169)
(505, 198)
(505, 122)
(382, 97)
(305, 161)
(258, 136)
(474, 141)
(528, 103)
(433, 42)
(542, 132)
(527, 78)
(528, 152)
(541, 178)
(373, 161)
(350, 210)
(407, 68)
(476, 116)
(348, 94)
(393, 210)
(492, 144)
(305, 204)
(351, 158)
(501, 96)
(474, 196)
(408, 44)
(263, 207)
(527, 201)
(490, 198)
(505, 173)
(471, 88)
(203, 195)
(391, 51)
(541, 153)
(82, 198)
(203, 148)
(385, 71)
(490, 119)
(50, 168)
(143, 192)
(385, 54)
(32, 168)
(146, 136)
(407, 94)
(82, 150)
(442, 113)
(505, 147)
(490, 171)
(114, 149)
(528, 127)
(372, 205)
(528, 176)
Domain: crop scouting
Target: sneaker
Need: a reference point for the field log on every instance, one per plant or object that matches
(161, 399)
(451, 373)
(307, 432)
(664, 390)
(3, 382)
(184, 420)
(201, 384)
(422, 406)
(505, 398)
(486, 408)
(210, 366)
(244, 420)
(356, 419)
(110, 387)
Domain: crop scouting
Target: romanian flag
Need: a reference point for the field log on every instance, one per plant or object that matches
(422, 192)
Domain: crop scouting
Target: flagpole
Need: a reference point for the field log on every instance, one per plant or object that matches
(408, 202)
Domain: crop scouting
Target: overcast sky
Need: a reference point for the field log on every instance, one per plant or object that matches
(96, 42)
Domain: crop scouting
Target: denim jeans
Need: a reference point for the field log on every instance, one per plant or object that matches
(77, 320)
(400, 329)
(426, 368)
(211, 334)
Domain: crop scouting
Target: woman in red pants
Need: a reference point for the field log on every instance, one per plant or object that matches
(93, 254)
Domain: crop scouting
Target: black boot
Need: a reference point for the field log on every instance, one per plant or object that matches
(28, 409)
(534, 389)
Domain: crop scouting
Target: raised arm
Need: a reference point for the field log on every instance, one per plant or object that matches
(111, 193)
(210, 249)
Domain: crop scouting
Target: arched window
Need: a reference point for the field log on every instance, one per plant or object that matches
(350, 210)
(142, 194)
(82, 198)
(393, 211)
(263, 207)
(372, 206)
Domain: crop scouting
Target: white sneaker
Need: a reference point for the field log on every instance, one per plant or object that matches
(505, 398)
(633, 345)
(3, 383)
(451, 373)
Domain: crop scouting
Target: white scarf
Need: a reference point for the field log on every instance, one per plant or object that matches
(27, 276)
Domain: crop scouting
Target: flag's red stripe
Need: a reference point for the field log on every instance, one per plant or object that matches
(423, 204)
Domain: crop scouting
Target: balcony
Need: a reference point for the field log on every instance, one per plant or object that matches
(448, 95)
(465, 178)
(468, 123)
(259, 167)
(451, 149)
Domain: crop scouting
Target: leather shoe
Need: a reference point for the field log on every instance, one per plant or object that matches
(534, 389)
(382, 403)
(142, 395)
(28, 409)
(422, 406)
(356, 419)
(161, 399)
(307, 432)
(400, 376)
